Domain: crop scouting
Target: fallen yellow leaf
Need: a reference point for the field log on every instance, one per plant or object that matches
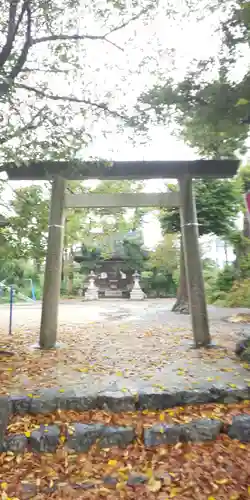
(174, 492)
(154, 485)
(121, 485)
(222, 481)
(149, 473)
(112, 462)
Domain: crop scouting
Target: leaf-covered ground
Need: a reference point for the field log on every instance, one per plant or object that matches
(139, 420)
(214, 471)
(127, 346)
(150, 348)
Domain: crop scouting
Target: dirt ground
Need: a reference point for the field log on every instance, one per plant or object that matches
(118, 344)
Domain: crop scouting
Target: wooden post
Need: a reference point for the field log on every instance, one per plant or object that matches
(196, 290)
(52, 279)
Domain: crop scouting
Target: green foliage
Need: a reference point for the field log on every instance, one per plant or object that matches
(206, 113)
(244, 178)
(159, 275)
(217, 203)
(239, 295)
(27, 233)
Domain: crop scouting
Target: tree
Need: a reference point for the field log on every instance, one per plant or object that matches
(208, 111)
(44, 47)
(210, 107)
(27, 233)
(218, 204)
(161, 268)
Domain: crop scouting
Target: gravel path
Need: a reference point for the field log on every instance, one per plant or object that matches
(119, 344)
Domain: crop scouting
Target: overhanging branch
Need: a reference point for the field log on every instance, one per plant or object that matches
(77, 37)
(27, 44)
(29, 126)
(88, 102)
(126, 23)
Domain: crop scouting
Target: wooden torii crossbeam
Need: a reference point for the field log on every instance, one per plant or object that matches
(184, 171)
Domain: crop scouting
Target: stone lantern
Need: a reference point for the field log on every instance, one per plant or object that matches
(92, 290)
(136, 292)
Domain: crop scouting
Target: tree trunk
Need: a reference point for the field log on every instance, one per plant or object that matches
(181, 305)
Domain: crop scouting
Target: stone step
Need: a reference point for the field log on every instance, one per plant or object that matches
(121, 400)
(79, 437)
(46, 401)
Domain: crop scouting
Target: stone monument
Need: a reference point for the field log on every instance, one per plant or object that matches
(92, 290)
(136, 292)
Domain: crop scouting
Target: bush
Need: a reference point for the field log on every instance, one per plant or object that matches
(239, 296)
(158, 285)
(225, 279)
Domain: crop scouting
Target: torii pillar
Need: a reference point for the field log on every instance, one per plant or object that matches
(53, 267)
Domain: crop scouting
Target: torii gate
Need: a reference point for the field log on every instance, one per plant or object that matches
(61, 171)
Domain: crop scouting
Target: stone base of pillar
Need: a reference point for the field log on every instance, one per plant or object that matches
(137, 294)
(91, 294)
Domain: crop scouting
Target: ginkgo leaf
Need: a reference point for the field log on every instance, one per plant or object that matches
(222, 481)
(112, 462)
(174, 492)
(242, 102)
(154, 485)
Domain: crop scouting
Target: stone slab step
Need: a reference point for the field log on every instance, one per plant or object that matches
(79, 438)
(49, 400)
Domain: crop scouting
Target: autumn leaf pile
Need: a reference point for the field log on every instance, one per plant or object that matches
(213, 471)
